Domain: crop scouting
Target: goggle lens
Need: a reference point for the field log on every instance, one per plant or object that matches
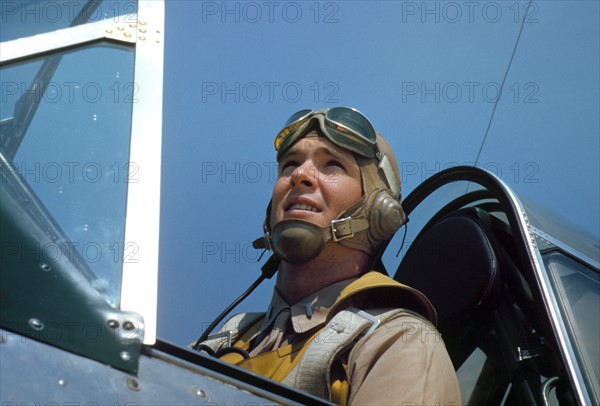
(298, 116)
(353, 122)
(292, 123)
(347, 127)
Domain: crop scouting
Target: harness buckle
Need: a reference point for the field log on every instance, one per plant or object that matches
(374, 320)
(342, 229)
(227, 335)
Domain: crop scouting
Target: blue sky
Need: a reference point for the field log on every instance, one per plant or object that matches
(425, 73)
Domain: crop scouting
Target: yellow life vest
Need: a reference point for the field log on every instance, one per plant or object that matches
(318, 363)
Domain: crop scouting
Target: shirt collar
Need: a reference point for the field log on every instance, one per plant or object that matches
(310, 312)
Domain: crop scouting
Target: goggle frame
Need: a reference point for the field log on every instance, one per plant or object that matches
(340, 133)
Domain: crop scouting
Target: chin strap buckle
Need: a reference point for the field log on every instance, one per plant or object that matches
(342, 229)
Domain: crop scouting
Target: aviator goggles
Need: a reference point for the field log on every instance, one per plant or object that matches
(344, 126)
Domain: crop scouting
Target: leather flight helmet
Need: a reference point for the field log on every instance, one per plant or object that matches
(366, 225)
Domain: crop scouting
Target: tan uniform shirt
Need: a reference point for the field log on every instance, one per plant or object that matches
(404, 361)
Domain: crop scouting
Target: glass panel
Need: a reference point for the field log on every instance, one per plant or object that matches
(21, 18)
(578, 295)
(75, 152)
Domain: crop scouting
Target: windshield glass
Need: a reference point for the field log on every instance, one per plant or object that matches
(578, 293)
(26, 18)
(74, 153)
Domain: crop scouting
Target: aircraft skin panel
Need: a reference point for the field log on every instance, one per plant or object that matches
(36, 373)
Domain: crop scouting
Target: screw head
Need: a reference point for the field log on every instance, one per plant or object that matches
(36, 324)
(199, 393)
(127, 325)
(133, 385)
(125, 356)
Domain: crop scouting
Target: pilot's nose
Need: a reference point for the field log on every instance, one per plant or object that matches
(304, 175)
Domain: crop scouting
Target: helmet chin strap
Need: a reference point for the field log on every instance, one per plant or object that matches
(298, 241)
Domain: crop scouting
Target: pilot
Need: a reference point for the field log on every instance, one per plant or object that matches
(337, 326)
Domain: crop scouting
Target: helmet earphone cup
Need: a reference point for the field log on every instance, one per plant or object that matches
(385, 216)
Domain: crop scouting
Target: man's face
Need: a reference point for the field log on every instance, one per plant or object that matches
(317, 181)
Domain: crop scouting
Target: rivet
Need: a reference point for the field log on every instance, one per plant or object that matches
(142, 30)
(142, 23)
(45, 267)
(199, 393)
(113, 323)
(120, 28)
(127, 34)
(62, 382)
(133, 385)
(128, 325)
(125, 356)
(36, 324)
(132, 25)
(108, 31)
(142, 38)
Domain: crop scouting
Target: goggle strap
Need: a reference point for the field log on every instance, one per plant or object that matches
(388, 172)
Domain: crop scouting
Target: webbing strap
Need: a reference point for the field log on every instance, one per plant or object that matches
(312, 374)
(232, 330)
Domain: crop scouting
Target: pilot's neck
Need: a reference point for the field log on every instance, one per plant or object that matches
(334, 264)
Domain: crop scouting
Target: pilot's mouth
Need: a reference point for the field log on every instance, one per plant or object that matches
(303, 207)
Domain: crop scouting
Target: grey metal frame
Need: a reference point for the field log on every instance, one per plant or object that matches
(139, 278)
(550, 301)
(525, 232)
(566, 248)
(35, 45)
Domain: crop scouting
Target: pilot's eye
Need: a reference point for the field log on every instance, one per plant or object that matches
(287, 167)
(335, 162)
